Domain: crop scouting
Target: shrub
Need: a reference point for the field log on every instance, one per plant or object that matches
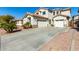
(7, 23)
(27, 25)
(9, 27)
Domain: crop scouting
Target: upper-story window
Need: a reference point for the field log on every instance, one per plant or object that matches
(37, 13)
(57, 12)
(60, 12)
(54, 13)
(44, 13)
(40, 11)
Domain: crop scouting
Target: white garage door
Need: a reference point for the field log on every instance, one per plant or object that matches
(59, 23)
(42, 24)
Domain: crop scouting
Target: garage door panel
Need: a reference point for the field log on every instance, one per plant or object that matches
(59, 23)
(42, 23)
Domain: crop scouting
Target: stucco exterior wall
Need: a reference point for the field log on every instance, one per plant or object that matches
(59, 17)
(65, 21)
(25, 20)
(67, 12)
(50, 15)
(76, 17)
(19, 23)
(33, 20)
(42, 10)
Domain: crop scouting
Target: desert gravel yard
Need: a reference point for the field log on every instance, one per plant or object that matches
(28, 40)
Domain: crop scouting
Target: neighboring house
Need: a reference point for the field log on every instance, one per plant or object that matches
(44, 17)
(75, 20)
(76, 17)
(19, 22)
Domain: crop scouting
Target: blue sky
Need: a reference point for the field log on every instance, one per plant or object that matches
(19, 12)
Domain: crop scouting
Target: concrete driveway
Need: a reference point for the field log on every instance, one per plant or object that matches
(28, 40)
(65, 41)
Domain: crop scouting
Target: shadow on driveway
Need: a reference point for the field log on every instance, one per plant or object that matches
(77, 29)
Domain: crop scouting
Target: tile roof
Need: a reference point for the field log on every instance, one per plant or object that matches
(39, 16)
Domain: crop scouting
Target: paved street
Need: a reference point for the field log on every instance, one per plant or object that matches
(65, 41)
(28, 40)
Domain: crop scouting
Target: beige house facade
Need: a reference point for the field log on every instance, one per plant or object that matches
(44, 17)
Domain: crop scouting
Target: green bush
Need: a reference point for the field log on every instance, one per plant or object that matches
(9, 27)
(27, 25)
(0, 25)
(7, 23)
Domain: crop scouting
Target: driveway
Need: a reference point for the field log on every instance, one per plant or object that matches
(65, 41)
(28, 40)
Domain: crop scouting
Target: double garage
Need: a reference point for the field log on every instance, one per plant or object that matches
(58, 21)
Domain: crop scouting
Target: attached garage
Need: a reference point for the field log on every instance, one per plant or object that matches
(42, 23)
(38, 20)
(60, 21)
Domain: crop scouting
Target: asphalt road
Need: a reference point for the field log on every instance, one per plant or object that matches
(28, 40)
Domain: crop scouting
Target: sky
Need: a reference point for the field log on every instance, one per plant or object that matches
(19, 12)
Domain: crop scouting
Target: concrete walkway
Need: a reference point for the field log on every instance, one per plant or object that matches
(66, 41)
(28, 40)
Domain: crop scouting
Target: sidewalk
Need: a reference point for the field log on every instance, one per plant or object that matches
(76, 41)
(65, 41)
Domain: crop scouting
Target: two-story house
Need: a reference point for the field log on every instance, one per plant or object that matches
(44, 17)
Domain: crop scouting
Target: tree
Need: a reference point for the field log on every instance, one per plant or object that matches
(7, 23)
(6, 18)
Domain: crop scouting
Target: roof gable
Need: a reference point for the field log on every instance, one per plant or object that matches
(39, 16)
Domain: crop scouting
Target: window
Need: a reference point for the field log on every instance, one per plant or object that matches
(44, 12)
(49, 21)
(59, 20)
(54, 13)
(37, 13)
(40, 11)
(60, 12)
(29, 19)
(57, 12)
